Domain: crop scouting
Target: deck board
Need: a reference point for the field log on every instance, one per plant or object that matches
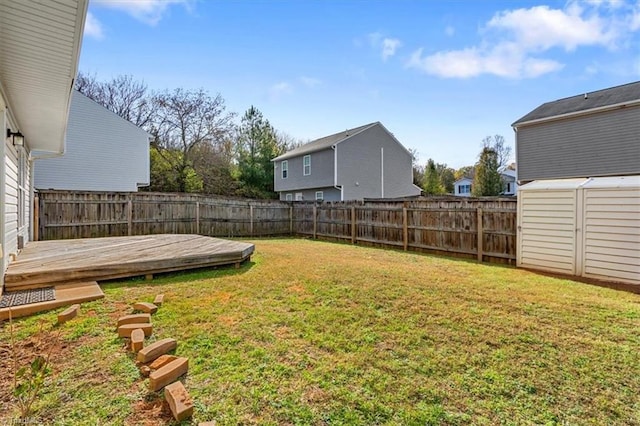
(45, 263)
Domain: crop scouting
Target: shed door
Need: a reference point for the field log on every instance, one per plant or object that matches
(547, 230)
(612, 234)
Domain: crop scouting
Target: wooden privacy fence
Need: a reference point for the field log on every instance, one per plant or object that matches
(480, 228)
(65, 214)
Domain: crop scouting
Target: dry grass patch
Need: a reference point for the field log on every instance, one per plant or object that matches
(321, 333)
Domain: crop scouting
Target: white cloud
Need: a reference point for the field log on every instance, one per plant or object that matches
(541, 28)
(310, 81)
(389, 47)
(280, 89)
(147, 11)
(514, 41)
(449, 30)
(93, 27)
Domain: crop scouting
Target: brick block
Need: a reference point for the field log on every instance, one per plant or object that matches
(158, 300)
(127, 329)
(156, 349)
(146, 307)
(69, 313)
(134, 319)
(179, 401)
(137, 340)
(161, 361)
(168, 374)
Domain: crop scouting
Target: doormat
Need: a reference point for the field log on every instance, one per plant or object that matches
(26, 297)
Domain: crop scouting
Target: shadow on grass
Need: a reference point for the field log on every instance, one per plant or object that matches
(180, 276)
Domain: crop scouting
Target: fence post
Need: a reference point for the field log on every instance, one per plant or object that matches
(129, 215)
(251, 219)
(198, 217)
(353, 225)
(315, 221)
(480, 234)
(291, 220)
(405, 229)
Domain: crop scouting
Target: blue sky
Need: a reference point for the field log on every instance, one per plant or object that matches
(440, 75)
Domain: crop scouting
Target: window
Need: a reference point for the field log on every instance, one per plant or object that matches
(285, 169)
(319, 195)
(288, 197)
(306, 165)
(464, 189)
(299, 196)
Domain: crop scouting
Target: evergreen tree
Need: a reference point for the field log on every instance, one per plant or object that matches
(431, 184)
(257, 143)
(487, 180)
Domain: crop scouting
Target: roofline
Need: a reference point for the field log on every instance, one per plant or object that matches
(332, 146)
(589, 111)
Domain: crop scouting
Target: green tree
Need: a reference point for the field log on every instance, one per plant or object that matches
(256, 144)
(431, 183)
(487, 180)
(446, 177)
(503, 151)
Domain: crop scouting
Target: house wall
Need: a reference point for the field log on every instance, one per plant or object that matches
(369, 158)
(321, 172)
(461, 182)
(16, 184)
(103, 152)
(602, 144)
(329, 193)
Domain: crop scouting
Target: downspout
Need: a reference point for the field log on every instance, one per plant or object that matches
(335, 171)
(381, 172)
(3, 120)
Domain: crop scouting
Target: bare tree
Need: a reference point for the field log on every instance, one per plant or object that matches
(497, 144)
(185, 120)
(122, 95)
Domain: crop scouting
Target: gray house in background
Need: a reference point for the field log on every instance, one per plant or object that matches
(588, 135)
(103, 152)
(365, 162)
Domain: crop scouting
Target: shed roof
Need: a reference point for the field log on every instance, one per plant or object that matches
(324, 142)
(40, 47)
(597, 182)
(584, 102)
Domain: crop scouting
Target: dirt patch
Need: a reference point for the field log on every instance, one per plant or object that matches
(222, 297)
(149, 413)
(227, 320)
(296, 289)
(45, 343)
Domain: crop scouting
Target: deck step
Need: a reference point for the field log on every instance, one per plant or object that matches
(66, 295)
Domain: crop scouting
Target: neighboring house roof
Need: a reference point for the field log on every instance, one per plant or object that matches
(463, 179)
(38, 64)
(324, 143)
(599, 99)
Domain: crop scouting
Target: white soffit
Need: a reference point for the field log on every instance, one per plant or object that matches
(39, 52)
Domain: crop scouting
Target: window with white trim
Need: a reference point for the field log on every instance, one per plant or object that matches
(299, 196)
(288, 197)
(285, 169)
(306, 165)
(464, 189)
(319, 196)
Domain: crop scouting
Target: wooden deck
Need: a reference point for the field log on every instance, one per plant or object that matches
(46, 263)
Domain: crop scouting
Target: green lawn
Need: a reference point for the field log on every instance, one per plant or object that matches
(321, 333)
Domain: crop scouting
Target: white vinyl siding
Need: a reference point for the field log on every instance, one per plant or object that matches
(306, 165)
(285, 169)
(17, 198)
(546, 223)
(612, 234)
